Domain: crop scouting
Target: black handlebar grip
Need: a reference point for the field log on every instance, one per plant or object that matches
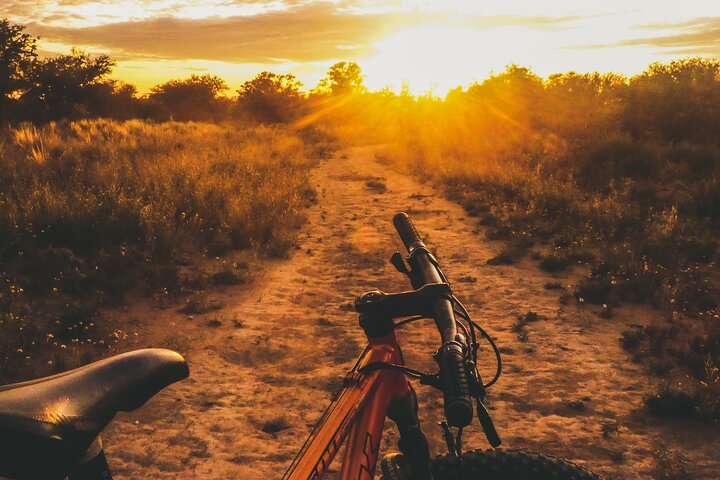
(451, 356)
(456, 393)
(407, 232)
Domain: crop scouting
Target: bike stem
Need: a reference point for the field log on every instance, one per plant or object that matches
(378, 310)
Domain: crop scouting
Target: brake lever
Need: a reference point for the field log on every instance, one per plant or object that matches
(477, 390)
(449, 439)
(482, 412)
(487, 424)
(413, 275)
(400, 265)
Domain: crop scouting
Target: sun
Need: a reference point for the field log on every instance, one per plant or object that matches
(425, 58)
(439, 58)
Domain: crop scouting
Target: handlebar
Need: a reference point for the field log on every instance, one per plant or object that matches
(407, 232)
(452, 353)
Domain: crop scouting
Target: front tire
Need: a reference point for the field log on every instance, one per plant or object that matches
(508, 465)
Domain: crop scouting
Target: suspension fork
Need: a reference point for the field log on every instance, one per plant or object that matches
(412, 443)
(93, 466)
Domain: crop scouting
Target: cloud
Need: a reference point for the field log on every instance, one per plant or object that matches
(306, 33)
(20, 9)
(700, 36)
(299, 31)
(537, 22)
(87, 13)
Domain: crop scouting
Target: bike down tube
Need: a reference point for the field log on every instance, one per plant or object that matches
(358, 415)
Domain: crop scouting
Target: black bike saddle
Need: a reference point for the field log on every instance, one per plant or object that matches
(47, 425)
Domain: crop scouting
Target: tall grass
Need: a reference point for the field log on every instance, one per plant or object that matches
(652, 238)
(92, 209)
(588, 168)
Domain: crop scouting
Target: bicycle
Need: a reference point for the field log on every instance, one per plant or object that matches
(59, 419)
(50, 427)
(377, 387)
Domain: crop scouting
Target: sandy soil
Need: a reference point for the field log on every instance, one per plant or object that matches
(273, 356)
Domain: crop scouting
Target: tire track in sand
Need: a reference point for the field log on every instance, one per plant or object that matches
(569, 390)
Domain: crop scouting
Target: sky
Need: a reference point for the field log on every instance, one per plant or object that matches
(431, 45)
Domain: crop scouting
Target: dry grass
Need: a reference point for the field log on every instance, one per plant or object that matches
(588, 170)
(92, 209)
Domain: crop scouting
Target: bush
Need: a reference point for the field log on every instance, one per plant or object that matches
(93, 209)
(616, 157)
(554, 263)
(671, 465)
(671, 402)
(623, 171)
(695, 160)
(631, 339)
(595, 289)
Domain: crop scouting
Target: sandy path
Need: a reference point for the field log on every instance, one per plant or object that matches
(569, 389)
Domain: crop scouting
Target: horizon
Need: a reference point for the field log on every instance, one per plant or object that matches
(432, 48)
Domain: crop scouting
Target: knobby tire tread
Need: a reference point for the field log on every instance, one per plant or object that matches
(509, 465)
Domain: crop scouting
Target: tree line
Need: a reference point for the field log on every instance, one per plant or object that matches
(620, 175)
(78, 85)
(674, 102)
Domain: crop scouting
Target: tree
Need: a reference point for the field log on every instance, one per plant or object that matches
(343, 78)
(113, 99)
(676, 102)
(63, 85)
(516, 83)
(508, 103)
(195, 98)
(18, 51)
(581, 107)
(272, 98)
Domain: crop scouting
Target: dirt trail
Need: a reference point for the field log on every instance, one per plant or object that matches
(568, 389)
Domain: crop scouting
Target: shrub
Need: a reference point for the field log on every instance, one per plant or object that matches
(696, 160)
(376, 186)
(671, 402)
(92, 209)
(631, 339)
(616, 157)
(554, 263)
(623, 171)
(595, 289)
(671, 465)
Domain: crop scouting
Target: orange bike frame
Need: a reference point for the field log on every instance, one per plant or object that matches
(358, 416)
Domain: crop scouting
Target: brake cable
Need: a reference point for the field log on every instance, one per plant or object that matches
(498, 358)
(466, 316)
(410, 320)
(463, 314)
(410, 372)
